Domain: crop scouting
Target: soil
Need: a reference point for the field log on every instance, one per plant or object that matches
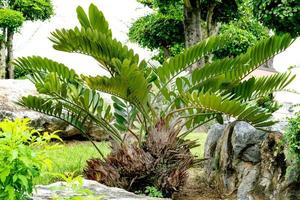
(197, 188)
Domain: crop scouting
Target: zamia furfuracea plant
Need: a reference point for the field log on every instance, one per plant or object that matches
(154, 108)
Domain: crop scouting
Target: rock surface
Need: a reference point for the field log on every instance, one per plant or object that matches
(247, 161)
(100, 192)
(12, 90)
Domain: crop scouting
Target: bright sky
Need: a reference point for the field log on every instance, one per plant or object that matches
(33, 38)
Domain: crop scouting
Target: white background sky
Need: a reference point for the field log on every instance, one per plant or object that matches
(33, 38)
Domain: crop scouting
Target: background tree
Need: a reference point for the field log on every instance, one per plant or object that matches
(10, 21)
(242, 32)
(14, 12)
(280, 16)
(192, 21)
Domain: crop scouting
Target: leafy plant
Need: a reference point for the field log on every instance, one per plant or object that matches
(292, 137)
(281, 16)
(153, 192)
(74, 184)
(292, 141)
(23, 155)
(155, 108)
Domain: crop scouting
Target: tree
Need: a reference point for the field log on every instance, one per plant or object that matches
(280, 16)
(243, 32)
(13, 13)
(148, 139)
(179, 24)
(10, 21)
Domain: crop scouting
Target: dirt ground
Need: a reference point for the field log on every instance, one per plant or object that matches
(197, 188)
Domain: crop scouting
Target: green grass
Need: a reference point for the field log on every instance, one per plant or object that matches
(201, 138)
(71, 158)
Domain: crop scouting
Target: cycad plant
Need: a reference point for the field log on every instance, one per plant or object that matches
(154, 107)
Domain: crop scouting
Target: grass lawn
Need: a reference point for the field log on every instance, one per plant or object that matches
(201, 138)
(71, 158)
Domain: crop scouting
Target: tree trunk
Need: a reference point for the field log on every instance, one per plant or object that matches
(2, 55)
(9, 58)
(209, 16)
(192, 26)
(167, 53)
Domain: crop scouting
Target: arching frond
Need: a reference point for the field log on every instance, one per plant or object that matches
(256, 87)
(129, 83)
(68, 112)
(39, 67)
(254, 115)
(236, 69)
(181, 62)
(95, 20)
(101, 47)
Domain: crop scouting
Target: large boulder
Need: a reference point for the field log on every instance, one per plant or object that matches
(249, 162)
(99, 191)
(12, 90)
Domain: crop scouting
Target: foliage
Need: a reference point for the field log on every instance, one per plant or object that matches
(240, 40)
(153, 192)
(292, 140)
(163, 30)
(281, 16)
(33, 9)
(75, 184)
(224, 12)
(292, 137)
(23, 156)
(148, 141)
(269, 103)
(243, 32)
(19, 73)
(10, 19)
(157, 30)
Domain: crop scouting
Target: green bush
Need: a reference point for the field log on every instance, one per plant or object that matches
(292, 140)
(23, 154)
(152, 191)
(292, 137)
(10, 18)
(282, 16)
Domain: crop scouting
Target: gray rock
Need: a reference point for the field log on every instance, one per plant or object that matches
(214, 133)
(100, 191)
(247, 184)
(251, 154)
(246, 141)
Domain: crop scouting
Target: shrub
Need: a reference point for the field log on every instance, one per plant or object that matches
(292, 137)
(23, 154)
(292, 141)
(282, 16)
(11, 19)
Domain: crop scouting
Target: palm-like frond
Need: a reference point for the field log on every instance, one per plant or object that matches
(174, 66)
(237, 68)
(54, 109)
(255, 115)
(39, 67)
(257, 87)
(130, 84)
(95, 20)
(94, 39)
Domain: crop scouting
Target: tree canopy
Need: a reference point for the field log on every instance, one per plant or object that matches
(281, 16)
(33, 9)
(10, 18)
